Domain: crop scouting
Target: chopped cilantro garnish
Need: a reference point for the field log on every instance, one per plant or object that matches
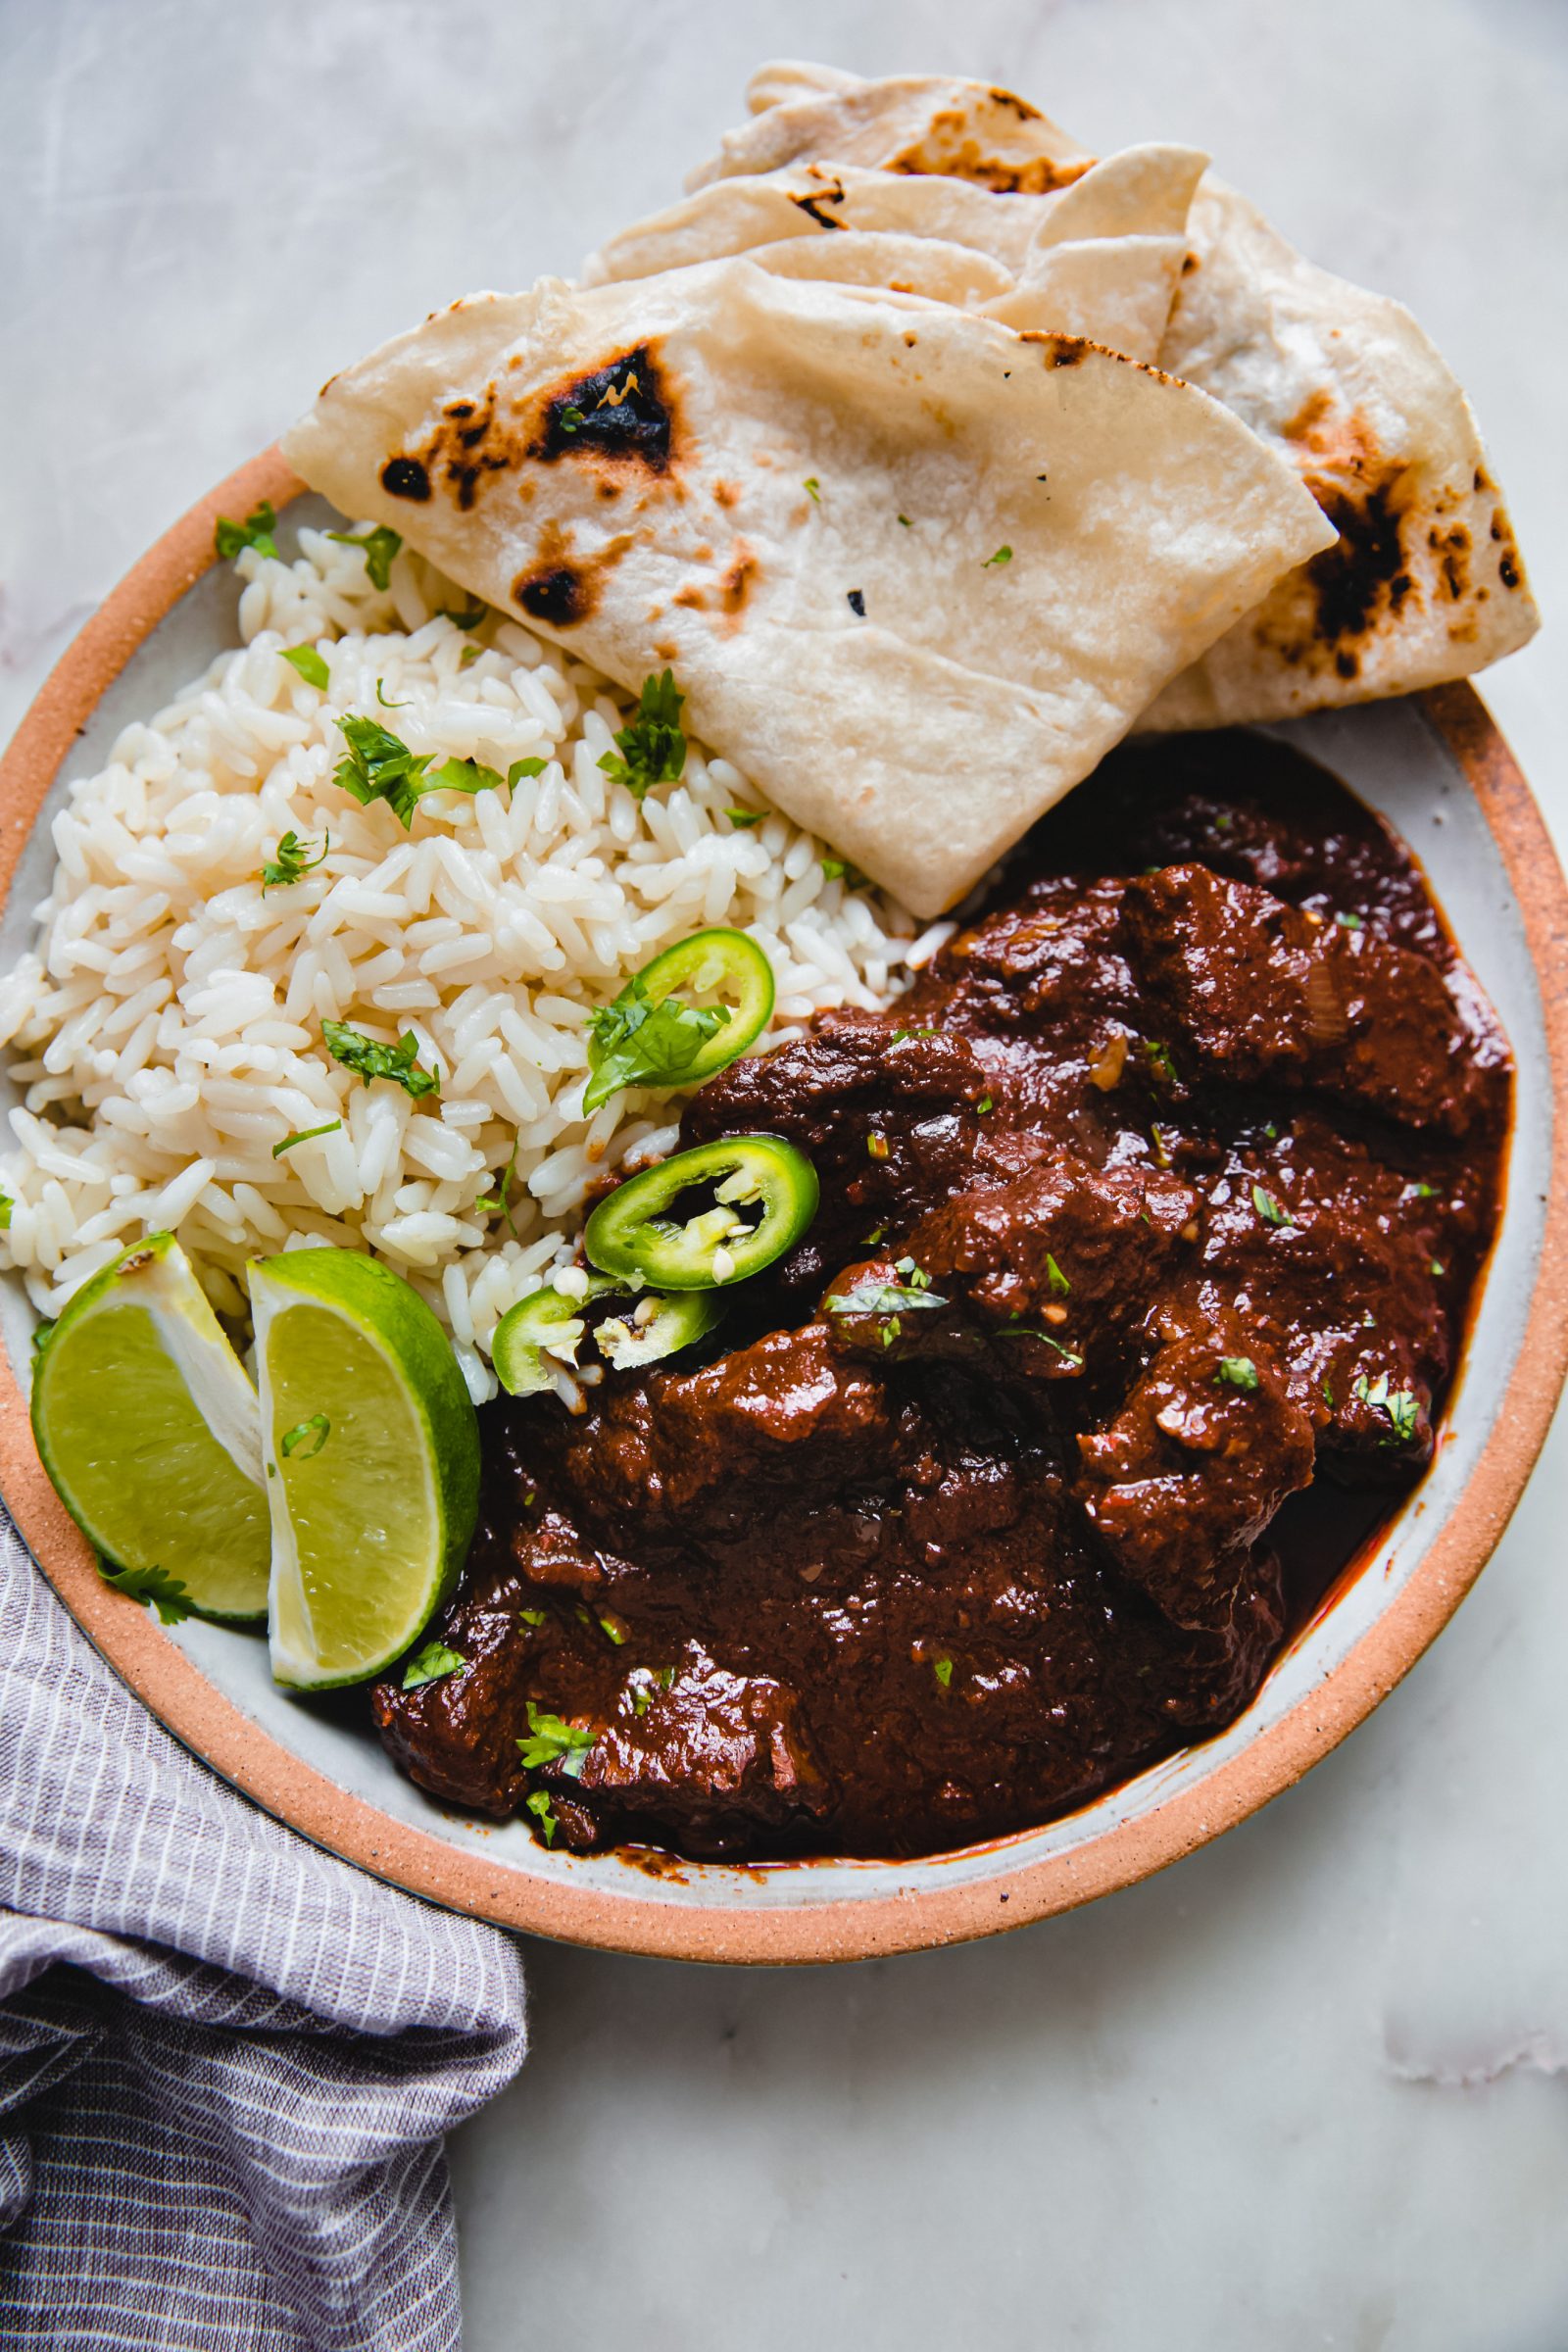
(908, 524)
(650, 748)
(916, 1276)
(1159, 1058)
(1437, 1266)
(367, 1059)
(883, 1298)
(1028, 1331)
(297, 1440)
(1351, 922)
(877, 1145)
(1236, 1372)
(1397, 1406)
(902, 1036)
(812, 488)
(385, 704)
(469, 656)
(232, 538)
(551, 1741)
(167, 1594)
(984, 1105)
(432, 1662)
(539, 1806)
(6, 1205)
(290, 864)
(841, 869)
(570, 418)
(1272, 1211)
(533, 1616)
(1059, 1284)
(942, 1668)
(498, 1198)
(310, 665)
(1003, 555)
(615, 1628)
(379, 547)
(525, 767)
(382, 768)
(635, 1042)
(305, 1135)
(1424, 1192)
(464, 620)
(745, 818)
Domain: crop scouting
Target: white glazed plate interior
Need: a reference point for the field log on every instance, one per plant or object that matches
(1390, 755)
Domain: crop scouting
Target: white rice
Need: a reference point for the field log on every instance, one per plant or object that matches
(170, 1014)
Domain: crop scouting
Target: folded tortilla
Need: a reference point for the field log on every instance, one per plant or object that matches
(1424, 583)
(1101, 257)
(915, 570)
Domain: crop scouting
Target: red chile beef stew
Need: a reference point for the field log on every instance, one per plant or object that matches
(1150, 1221)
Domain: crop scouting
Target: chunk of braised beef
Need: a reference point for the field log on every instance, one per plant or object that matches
(1255, 992)
(708, 1761)
(457, 1735)
(1185, 1477)
(1083, 1249)
(773, 1427)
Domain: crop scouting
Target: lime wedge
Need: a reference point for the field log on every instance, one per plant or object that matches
(372, 1462)
(148, 1427)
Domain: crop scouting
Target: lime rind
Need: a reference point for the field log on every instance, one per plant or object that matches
(150, 1431)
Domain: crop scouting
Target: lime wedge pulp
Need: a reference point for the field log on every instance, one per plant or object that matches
(371, 1447)
(150, 1431)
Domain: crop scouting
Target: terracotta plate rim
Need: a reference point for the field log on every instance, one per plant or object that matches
(174, 1688)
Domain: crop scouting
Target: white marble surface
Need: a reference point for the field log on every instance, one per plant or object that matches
(1305, 2090)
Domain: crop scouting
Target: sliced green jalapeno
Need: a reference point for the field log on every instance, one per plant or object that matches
(631, 1234)
(650, 1036)
(547, 1320)
(657, 1327)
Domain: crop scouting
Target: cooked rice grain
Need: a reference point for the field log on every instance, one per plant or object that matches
(168, 1019)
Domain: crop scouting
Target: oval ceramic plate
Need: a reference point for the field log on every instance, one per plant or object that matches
(1437, 768)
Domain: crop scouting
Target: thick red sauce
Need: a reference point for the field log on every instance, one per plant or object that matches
(1196, 1133)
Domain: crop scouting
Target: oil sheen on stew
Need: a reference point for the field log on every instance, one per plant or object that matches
(1149, 1223)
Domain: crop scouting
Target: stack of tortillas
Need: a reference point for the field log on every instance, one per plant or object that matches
(934, 455)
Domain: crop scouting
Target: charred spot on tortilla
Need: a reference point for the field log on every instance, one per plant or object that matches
(736, 584)
(1451, 549)
(558, 596)
(618, 411)
(949, 150)
(406, 478)
(810, 206)
(1364, 575)
(1014, 104)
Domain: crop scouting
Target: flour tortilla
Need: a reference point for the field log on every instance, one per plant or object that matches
(1101, 258)
(1425, 581)
(922, 738)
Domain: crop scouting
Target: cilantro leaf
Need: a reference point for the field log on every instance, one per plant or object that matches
(635, 1042)
(1059, 1284)
(298, 1439)
(291, 864)
(378, 548)
(539, 1806)
(1003, 555)
(367, 1059)
(1236, 1372)
(814, 489)
(882, 1298)
(525, 767)
(1398, 1406)
(570, 418)
(551, 1741)
(533, 1616)
(305, 1135)
(744, 819)
(942, 1668)
(310, 665)
(840, 870)
(6, 1205)
(385, 704)
(651, 747)
(1272, 1211)
(167, 1594)
(382, 768)
(464, 620)
(232, 538)
(430, 1663)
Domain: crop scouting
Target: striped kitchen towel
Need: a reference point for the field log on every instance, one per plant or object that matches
(226, 2059)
